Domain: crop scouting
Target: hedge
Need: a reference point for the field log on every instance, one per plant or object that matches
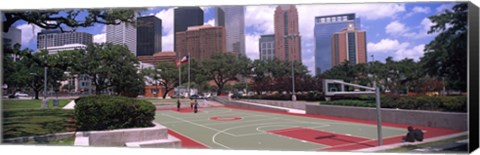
(105, 112)
(288, 97)
(434, 103)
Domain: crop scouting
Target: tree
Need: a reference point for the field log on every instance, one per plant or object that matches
(446, 55)
(110, 66)
(73, 18)
(166, 74)
(224, 67)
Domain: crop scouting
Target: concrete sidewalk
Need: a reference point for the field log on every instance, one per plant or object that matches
(290, 110)
(70, 105)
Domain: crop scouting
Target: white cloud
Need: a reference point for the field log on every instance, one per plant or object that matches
(100, 38)
(399, 50)
(260, 18)
(252, 49)
(29, 34)
(418, 9)
(444, 7)
(424, 27)
(396, 28)
(386, 45)
(210, 22)
(412, 53)
(166, 16)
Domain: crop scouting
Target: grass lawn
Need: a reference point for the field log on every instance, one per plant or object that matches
(426, 145)
(32, 122)
(70, 141)
(30, 104)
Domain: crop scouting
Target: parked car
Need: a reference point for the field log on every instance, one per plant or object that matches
(197, 96)
(19, 94)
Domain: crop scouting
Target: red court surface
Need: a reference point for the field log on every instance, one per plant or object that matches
(316, 136)
(186, 142)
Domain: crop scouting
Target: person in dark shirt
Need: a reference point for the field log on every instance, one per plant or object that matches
(410, 136)
(195, 106)
(413, 134)
(178, 105)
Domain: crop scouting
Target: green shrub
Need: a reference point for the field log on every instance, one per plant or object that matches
(432, 103)
(112, 112)
(355, 103)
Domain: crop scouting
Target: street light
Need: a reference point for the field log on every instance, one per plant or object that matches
(294, 97)
(33, 83)
(45, 89)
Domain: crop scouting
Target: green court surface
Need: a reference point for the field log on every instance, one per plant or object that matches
(236, 128)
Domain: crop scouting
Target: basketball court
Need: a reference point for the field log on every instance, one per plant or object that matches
(238, 128)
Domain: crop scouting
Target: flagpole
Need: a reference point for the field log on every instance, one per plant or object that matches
(188, 74)
(179, 78)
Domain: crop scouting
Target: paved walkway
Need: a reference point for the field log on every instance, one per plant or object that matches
(70, 105)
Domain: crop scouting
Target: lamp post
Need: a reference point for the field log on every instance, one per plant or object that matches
(45, 89)
(33, 83)
(294, 97)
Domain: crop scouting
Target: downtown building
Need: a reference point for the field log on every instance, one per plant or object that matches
(185, 17)
(12, 38)
(325, 27)
(266, 45)
(287, 36)
(349, 45)
(200, 42)
(123, 34)
(232, 18)
(149, 35)
(55, 40)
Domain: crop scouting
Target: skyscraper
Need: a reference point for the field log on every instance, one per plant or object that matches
(349, 45)
(201, 41)
(266, 46)
(12, 37)
(232, 18)
(185, 17)
(55, 38)
(325, 27)
(287, 37)
(149, 35)
(123, 34)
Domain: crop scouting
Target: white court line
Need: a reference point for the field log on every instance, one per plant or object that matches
(196, 124)
(365, 141)
(222, 123)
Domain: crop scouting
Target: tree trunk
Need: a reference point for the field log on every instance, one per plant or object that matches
(166, 92)
(36, 94)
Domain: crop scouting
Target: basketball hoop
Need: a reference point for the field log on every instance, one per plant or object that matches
(359, 90)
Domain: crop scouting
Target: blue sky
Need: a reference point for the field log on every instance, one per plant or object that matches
(398, 30)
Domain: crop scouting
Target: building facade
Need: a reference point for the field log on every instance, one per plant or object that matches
(185, 17)
(287, 36)
(159, 57)
(149, 35)
(266, 46)
(56, 38)
(56, 49)
(349, 45)
(12, 37)
(325, 27)
(200, 42)
(123, 34)
(232, 18)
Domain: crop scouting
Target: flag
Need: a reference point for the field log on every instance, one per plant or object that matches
(184, 59)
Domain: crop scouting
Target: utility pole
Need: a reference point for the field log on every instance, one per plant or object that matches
(45, 87)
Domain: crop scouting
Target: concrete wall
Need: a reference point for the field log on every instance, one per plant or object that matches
(226, 101)
(41, 138)
(449, 120)
(121, 136)
(287, 104)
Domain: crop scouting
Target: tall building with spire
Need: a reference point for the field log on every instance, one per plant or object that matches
(287, 36)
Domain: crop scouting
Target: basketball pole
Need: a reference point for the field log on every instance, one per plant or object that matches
(379, 118)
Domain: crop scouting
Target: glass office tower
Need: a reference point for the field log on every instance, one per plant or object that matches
(325, 27)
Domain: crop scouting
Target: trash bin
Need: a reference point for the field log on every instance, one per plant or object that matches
(56, 102)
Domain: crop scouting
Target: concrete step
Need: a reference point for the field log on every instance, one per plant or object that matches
(169, 142)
